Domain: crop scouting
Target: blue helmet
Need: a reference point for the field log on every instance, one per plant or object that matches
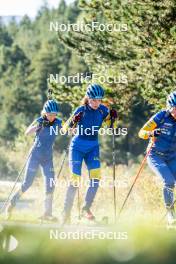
(95, 91)
(51, 106)
(171, 100)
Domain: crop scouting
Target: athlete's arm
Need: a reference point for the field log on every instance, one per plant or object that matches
(34, 126)
(152, 127)
(31, 129)
(145, 131)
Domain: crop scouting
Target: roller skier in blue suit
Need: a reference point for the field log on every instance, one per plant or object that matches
(161, 129)
(89, 117)
(41, 155)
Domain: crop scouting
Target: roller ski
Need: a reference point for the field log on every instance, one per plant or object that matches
(47, 218)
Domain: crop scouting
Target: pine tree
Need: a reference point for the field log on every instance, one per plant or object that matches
(145, 53)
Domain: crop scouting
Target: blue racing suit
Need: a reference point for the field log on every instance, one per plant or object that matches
(162, 157)
(85, 146)
(41, 155)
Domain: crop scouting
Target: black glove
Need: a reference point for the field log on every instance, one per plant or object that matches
(76, 118)
(113, 114)
(155, 133)
(45, 123)
(113, 117)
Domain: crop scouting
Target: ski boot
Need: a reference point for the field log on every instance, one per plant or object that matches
(12, 203)
(8, 211)
(87, 214)
(171, 217)
(66, 219)
(48, 218)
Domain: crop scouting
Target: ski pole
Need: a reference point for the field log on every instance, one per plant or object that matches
(61, 168)
(62, 164)
(15, 183)
(78, 194)
(79, 204)
(18, 177)
(63, 161)
(137, 176)
(114, 171)
(114, 178)
(113, 158)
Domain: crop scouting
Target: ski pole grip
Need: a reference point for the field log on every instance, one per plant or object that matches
(113, 116)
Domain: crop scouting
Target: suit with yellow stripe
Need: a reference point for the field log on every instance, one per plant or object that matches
(85, 146)
(162, 157)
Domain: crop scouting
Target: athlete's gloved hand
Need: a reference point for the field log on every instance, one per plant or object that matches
(45, 123)
(155, 133)
(76, 118)
(113, 117)
(113, 114)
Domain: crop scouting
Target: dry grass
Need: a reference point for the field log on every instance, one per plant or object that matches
(145, 201)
